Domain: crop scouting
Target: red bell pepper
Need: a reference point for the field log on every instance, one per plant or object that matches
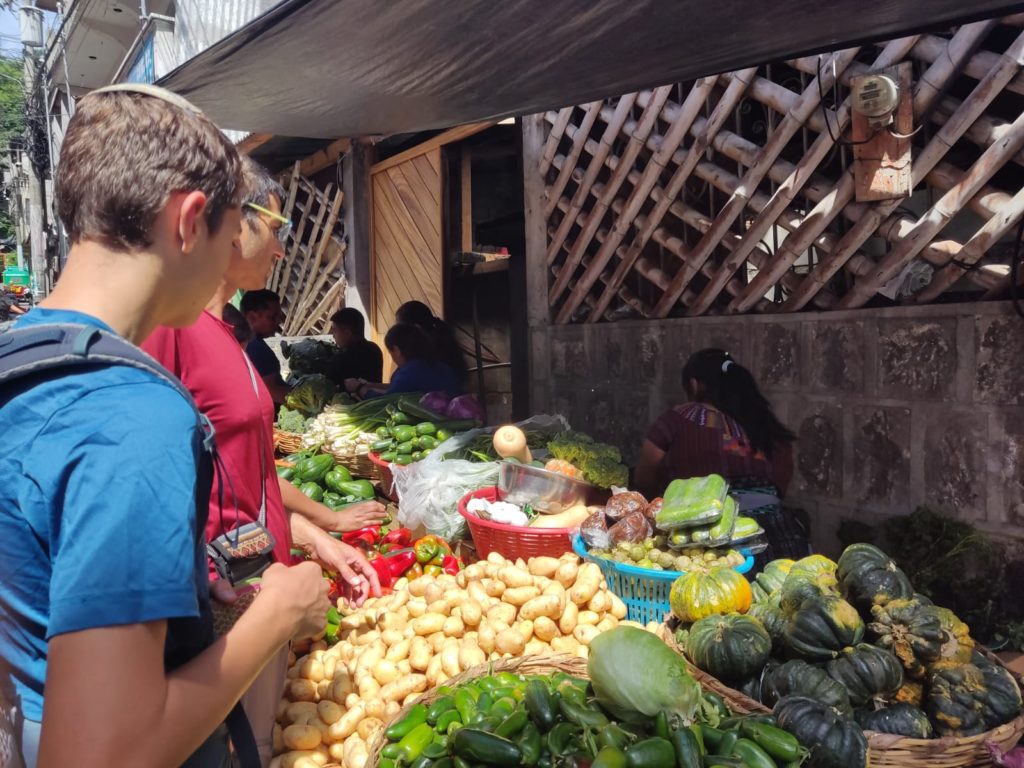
(380, 565)
(399, 562)
(399, 538)
(450, 565)
(369, 535)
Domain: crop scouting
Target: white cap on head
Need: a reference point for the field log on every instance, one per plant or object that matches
(151, 90)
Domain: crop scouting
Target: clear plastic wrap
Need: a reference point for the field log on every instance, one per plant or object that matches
(697, 501)
(714, 535)
(633, 528)
(653, 508)
(746, 529)
(626, 503)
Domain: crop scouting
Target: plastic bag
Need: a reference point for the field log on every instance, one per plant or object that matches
(594, 531)
(622, 504)
(653, 509)
(714, 535)
(429, 490)
(633, 528)
(693, 502)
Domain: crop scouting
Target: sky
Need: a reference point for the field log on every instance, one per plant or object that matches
(10, 32)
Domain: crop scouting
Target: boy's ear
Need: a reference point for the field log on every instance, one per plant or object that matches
(191, 219)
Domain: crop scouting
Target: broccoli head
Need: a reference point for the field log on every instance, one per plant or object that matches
(604, 472)
(310, 395)
(290, 421)
(599, 462)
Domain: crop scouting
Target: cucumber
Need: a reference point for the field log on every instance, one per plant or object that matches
(405, 447)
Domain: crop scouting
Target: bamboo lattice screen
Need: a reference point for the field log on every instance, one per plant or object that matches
(730, 195)
(310, 279)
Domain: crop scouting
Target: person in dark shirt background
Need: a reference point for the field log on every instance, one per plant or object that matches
(417, 369)
(444, 347)
(262, 309)
(359, 357)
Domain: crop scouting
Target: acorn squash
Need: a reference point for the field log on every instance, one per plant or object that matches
(866, 671)
(868, 577)
(911, 692)
(957, 644)
(954, 700)
(899, 719)
(770, 580)
(822, 627)
(774, 620)
(1003, 700)
(835, 741)
(911, 631)
(799, 678)
(730, 647)
(696, 595)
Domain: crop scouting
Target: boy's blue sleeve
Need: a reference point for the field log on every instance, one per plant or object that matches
(123, 481)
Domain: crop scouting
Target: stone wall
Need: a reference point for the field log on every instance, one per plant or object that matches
(893, 408)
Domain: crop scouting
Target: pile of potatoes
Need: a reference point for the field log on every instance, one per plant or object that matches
(397, 647)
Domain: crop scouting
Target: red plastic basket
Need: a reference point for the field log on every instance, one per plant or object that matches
(384, 476)
(512, 541)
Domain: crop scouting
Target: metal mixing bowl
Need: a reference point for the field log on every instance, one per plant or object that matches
(548, 492)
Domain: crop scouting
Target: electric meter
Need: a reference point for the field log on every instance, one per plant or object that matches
(876, 97)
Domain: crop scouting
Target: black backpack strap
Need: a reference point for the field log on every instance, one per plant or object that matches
(37, 349)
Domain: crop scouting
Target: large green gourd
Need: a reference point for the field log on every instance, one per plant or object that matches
(822, 627)
(866, 671)
(730, 647)
(835, 741)
(868, 577)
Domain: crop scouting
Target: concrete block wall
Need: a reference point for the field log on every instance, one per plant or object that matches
(893, 408)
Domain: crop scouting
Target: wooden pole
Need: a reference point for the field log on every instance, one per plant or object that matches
(303, 268)
(809, 101)
(733, 93)
(939, 215)
(284, 274)
(974, 249)
(1006, 68)
(288, 210)
(323, 305)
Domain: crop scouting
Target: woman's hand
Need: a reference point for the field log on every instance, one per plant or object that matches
(352, 385)
(355, 575)
(358, 516)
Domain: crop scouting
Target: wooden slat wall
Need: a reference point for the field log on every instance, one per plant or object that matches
(407, 243)
(731, 195)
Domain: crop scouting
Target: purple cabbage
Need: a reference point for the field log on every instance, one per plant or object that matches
(465, 407)
(436, 402)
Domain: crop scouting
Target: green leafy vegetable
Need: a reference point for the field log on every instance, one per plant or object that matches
(635, 676)
(310, 394)
(290, 421)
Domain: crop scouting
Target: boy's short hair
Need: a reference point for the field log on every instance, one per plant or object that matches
(124, 154)
(260, 187)
(257, 301)
(350, 318)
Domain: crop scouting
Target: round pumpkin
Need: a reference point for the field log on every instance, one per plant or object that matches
(770, 580)
(697, 595)
(835, 741)
(957, 644)
(814, 576)
(954, 701)
(899, 719)
(812, 564)
(867, 577)
(911, 631)
(1002, 701)
(865, 672)
(730, 647)
(774, 620)
(822, 627)
(799, 678)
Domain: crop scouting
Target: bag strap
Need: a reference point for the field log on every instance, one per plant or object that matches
(31, 350)
(263, 448)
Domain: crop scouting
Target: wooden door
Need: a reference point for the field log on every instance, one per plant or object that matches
(406, 234)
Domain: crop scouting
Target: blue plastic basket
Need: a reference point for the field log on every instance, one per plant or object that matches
(645, 592)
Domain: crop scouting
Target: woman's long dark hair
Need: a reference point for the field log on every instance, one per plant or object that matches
(731, 388)
(445, 348)
(410, 339)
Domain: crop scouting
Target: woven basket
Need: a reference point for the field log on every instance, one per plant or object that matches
(886, 750)
(524, 665)
(359, 466)
(287, 443)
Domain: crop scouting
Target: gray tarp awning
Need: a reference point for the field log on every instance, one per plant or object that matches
(329, 68)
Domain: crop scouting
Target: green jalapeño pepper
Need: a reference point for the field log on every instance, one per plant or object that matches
(583, 715)
(661, 729)
(439, 707)
(312, 490)
(512, 724)
(752, 755)
(651, 753)
(541, 705)
(609, 757)
(780, 744)
(688, 751)
(397, 730)
(415, 741)
(481, 747)
(336, 478)
(446, 719)
(612, 736)
(562, 739)
(465, 704)
(530, 744)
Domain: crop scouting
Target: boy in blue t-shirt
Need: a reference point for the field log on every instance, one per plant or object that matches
(98, 548)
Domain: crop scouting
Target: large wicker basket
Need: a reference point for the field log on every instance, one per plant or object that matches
(287, 443)
(525, 665)
(887, 750)
(359, 466)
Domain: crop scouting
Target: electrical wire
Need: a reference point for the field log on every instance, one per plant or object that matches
(906, 135)
(828, 123)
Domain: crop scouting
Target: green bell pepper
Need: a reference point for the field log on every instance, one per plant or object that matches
(313, 469)
(286, 472)
(337, 477)
(360, 489)
(313, 491)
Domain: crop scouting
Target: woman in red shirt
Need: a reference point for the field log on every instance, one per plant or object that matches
(728, 428)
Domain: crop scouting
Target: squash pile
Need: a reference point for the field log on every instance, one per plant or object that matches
(840, 647)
